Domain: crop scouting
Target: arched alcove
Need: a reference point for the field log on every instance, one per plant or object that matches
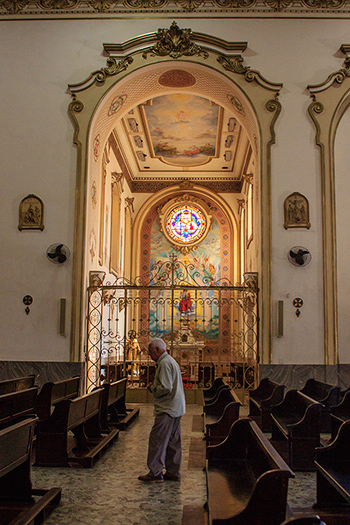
(103, 110)
(330, 104)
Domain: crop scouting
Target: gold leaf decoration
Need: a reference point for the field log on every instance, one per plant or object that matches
(175, 42)
(58, 4)
(324, 4)
(189, 5)
(114, 67)
(278, 5)
(234, 65)
(145, 4)
(14, 6)
(235, 4)
(101, 5)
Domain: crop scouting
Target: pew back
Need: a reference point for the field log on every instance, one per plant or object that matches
(83, 408)
(14, 385)
(17, 405)
(261, 400)
(297, 421)
(209, 393)
(247, 480)
(339, 414)
(333, 471)
(53, 392)
(325, 393)
(113, 402)
(16, 445)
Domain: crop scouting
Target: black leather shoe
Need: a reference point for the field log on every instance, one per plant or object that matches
(171, 477)
(151, 478)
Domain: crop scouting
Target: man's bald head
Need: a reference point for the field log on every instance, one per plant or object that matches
(156, 348)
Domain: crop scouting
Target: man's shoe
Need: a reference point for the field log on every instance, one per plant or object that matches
(151, 478)
(171, 477)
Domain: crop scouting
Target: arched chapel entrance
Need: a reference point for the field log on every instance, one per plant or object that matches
(173, 209)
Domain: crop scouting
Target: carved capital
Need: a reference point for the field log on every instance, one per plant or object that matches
(129, 203)
(248, 177)
(251, 280)
(118, 179)
(96, 278)
(241, 203)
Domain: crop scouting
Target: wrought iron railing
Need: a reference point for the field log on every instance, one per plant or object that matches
(211, 327)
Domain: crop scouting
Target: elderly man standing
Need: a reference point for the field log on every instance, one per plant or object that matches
(164, 447)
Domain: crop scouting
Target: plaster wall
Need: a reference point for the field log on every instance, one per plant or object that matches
(40, 58)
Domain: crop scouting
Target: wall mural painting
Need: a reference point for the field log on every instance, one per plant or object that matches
(194, 309)
(183, 128)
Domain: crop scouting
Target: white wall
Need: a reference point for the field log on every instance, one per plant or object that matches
(40, 58)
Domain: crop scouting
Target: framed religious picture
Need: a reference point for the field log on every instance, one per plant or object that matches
(31, 213)
(296, 211)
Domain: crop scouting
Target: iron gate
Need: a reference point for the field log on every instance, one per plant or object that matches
(211, 328)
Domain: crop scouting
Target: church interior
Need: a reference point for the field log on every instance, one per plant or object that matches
(192, 186)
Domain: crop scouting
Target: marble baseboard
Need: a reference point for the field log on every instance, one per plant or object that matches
(44, 370)
(295, 376)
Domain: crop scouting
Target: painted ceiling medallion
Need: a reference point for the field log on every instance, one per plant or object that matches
(177, 78)
(237, 104)
(185, 222)
(116, 104)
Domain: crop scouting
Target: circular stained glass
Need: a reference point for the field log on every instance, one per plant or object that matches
(186, 224)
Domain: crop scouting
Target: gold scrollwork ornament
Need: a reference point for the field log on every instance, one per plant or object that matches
(58, 4)
(144, 4)
(14, 6)
(175, 42)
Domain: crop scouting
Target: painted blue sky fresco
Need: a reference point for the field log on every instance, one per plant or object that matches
(183, 128)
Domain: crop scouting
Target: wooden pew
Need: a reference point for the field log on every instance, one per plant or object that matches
(328, 395)
(333, 473)
(217, 426)
(53, 392)
(261, 399)
(113, 408)
(17, 503)
(339, 414)
(296, 423)
(16, 406)
(81, 416)
(217, 431)
(210, 393)
(247, 480)
(214, 410)
(14, 385)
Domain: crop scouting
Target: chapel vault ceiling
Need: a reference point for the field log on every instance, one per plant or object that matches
(182, 136)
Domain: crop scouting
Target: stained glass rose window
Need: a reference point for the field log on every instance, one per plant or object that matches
(186, 224)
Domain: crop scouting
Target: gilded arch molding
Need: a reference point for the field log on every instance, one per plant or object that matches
(222, 61)
(331, 99)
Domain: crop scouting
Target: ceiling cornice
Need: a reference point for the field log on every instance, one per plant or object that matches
(129, 9)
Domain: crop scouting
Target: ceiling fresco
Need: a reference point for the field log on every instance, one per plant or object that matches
(176, 136)
(183, 129)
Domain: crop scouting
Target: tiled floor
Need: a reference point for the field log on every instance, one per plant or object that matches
(110, 493)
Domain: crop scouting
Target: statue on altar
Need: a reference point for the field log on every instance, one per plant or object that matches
(185, 302)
